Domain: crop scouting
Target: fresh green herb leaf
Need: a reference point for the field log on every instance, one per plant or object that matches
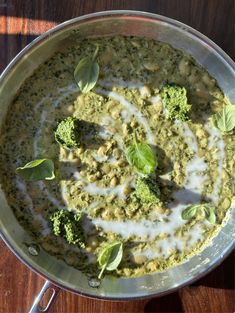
(209, 213)
(87, 72)
(174, 99)
(67, 132)
(141, 157)
(37, 170)
(190, 211)
(110, 257)
(68, 225)
(225, 120)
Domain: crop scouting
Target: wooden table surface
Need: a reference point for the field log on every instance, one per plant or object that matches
(23, 20)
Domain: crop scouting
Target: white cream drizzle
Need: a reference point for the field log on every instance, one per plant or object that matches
(125, 116)
(124, 84)
(107, 121)
(155, 99)
(43, 118)
(64, 193)
(106, 132)
(145, 229)
(132, 109)
(149, 253)
(214, 134)
(100, 159)
(196, 235)
(39, 133)
(21, 185)
(189, 136)
(93, 189)
(52, 199)
(195, 177)
(108, 159)
(65, 92)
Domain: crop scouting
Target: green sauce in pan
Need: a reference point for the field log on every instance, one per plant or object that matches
(195, 160)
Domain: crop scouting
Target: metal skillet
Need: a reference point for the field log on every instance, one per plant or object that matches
(57, 273)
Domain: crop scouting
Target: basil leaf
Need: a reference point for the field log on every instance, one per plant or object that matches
(189, 212)
(141, 157)
(37, 170)
(210, 214)
(110, 257)
(225, 120)
(87, 72)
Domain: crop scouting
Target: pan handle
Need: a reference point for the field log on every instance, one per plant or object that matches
(36, 307)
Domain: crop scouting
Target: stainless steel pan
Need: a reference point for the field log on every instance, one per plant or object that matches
(55, 271)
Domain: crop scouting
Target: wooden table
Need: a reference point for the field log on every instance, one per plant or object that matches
(23, 20)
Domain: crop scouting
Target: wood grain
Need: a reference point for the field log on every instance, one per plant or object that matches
(20, 22)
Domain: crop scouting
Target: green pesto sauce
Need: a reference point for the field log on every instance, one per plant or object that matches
(68, 225)
(174, 99)
(195, 162)
(147, 190)
(67, 133)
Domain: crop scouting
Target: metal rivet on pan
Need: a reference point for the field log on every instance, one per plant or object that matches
(94, 282)
(33, 249)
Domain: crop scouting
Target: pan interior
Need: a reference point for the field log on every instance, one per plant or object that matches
(110, 24)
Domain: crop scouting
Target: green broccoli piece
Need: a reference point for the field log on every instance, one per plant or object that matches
(147, 190)
(68, 225)
(174, 99)
(67, 132)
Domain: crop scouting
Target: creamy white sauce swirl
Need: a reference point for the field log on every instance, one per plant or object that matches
(145, 230)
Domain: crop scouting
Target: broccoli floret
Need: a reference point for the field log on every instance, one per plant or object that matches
(67, 132)
(147, 190)
(68, 225)
(174, 99)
